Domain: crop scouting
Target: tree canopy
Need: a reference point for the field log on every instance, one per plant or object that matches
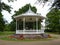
(6, 7)
(56, 4)
(53, 20)
(2, 23)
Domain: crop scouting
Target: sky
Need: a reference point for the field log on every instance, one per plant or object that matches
(20, 3)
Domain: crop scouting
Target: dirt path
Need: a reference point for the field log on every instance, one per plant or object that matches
(50, 42)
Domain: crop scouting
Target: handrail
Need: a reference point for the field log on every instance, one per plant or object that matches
(29, 31)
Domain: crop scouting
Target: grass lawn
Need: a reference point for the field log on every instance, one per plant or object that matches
(6, 33)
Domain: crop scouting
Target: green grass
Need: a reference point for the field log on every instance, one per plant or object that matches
(6, 33)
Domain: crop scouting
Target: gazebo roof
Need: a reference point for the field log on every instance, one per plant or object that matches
(29, 13)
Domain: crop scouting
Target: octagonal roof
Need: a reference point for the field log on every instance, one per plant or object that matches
(29, 13)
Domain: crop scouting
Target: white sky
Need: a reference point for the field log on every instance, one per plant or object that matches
(19, 3)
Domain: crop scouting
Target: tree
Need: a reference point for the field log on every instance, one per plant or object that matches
(12, 26)
(7, 27)
(12, 0)
(53, 20)
(3, 6)
(2, 23)
(42, 1)
(56, 4)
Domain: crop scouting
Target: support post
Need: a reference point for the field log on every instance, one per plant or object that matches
(16, 24)
(23, 23)
(37, 24)
(42, 27)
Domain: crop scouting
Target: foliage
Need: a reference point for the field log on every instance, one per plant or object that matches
(44, 1)
(7, 27)
(34, 9)
(11, 0)
(56, 4)
(12, 26)
(53, 20)
(2, 23)
(3, 6)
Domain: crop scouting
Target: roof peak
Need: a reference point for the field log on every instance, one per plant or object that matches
(29, 10)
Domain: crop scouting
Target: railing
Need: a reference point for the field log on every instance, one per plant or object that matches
(29, 31)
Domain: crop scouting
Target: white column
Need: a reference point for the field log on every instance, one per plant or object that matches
(42, 27)
(23, 23)
(37, 24)
(42, 24)
(16, 24)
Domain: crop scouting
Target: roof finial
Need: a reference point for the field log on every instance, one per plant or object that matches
(29, 6)
(29, 10)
